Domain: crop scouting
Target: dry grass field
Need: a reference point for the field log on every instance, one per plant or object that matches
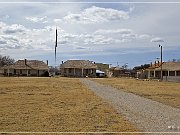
(165, 92)
(55, 105)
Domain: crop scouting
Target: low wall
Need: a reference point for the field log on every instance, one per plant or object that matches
(171, 78)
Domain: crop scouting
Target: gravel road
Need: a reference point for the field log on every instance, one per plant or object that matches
(145, 114)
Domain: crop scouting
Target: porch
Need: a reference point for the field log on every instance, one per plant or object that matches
(157, 73)
(78, 72)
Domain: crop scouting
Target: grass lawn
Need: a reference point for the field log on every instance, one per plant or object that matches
(55, 104)
(165, 92)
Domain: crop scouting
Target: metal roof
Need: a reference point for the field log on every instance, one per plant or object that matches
(30, 64)
(86, 64)
(171, 66)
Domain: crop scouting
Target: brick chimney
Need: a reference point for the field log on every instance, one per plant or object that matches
(25, 61)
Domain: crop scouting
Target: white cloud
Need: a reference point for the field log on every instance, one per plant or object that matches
(2, 41)
(97, 40)
(123, 35)
(97, 15)
(129, 36)
(17, 36)
(62, 42)
(9, 42)
(81, 48)
(15, 28)
(37, 19)
(57, 20)
(114, 31)
(157, 39)
(68, 36)
(2, 25)
(144, 36)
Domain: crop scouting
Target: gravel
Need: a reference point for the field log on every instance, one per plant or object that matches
(145, 114)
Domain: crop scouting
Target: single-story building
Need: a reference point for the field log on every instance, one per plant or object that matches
(170, 71)
(149, 72)
(116, 71)
(120, 72)
(78, 68)
(25, 68)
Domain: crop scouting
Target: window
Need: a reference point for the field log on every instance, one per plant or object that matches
(171, 73)
(14, 71)
(177, 73)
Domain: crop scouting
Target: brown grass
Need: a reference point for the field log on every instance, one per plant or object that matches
(165, 92)
(55, 104)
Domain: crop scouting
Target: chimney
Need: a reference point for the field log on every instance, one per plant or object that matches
(155, 63)
(151, 64)
(62, 62)
(25, 61)
(47, 62)
(158, 63)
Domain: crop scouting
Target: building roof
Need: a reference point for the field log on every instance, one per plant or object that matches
(116, 68)
(30, 64)
(78, 64)
(171, 66)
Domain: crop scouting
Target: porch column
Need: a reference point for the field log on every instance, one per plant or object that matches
(175, 73)
(168, 73)
(82, 72)
(8, 71)
(74, 71)
(148, 73)
(27, 72)
(67, 71)
(154, 73)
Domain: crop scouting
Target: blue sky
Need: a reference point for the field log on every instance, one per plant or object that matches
(113, 33)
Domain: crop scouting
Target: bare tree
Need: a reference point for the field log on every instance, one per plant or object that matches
(174, 60)
(125, 66)
(6, 60)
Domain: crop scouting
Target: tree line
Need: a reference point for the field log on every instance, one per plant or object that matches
(141, 67)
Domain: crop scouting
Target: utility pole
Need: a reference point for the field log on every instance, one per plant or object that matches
(161, 63)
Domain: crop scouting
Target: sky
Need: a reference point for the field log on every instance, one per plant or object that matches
(113, 32)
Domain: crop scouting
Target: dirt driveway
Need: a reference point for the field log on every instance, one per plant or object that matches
(147, 115)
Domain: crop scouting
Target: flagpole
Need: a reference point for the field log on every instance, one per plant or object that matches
(55, 45)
